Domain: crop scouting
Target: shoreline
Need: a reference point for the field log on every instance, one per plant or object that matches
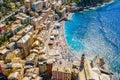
(70, 17)
(104, 4)
(69, 52)
(87, 8)
(67, 47)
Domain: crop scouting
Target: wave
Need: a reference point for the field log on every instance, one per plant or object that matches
(96, 32)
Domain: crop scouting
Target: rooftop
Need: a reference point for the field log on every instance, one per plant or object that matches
(37, 19)
(31, 57)
(15, 38)
(4, 51)
(37, 2)
(21, 16)
(2, 25)
(13, 75)
(10, 44)
(24, 39)
(61, 69)
(25, 30)
(28, 28)
(26, 0)
(15, 26)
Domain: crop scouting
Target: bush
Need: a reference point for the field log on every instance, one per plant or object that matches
(59, 14)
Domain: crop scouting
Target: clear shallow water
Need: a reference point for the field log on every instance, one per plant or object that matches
(97, 32)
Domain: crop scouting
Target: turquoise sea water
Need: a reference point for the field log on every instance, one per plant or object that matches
(97, 32)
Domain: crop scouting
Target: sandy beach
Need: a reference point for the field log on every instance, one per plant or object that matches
(66, 47)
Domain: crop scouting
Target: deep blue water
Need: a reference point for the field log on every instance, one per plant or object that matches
(97, 32)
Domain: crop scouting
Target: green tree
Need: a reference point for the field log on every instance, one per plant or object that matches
(0, 42)
(5, 38)
(77, 1)
(7, 23)
(59, 14)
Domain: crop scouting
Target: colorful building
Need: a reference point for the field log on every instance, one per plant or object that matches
(23, 17)
(16, 26)
(11, 46)
(37, 6)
